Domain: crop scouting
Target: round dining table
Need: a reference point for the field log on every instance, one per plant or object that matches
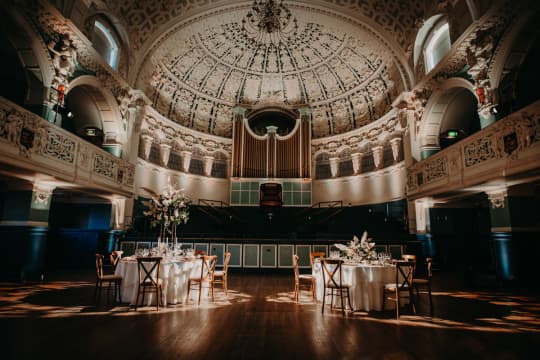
(173, 272)
(366, 284)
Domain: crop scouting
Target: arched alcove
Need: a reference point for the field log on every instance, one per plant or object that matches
(85, 119)
(259, 120)
(28, 65)
(460, 118)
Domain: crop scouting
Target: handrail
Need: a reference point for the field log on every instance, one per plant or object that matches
(32, 140)
(330, 204)
(212, 203)
(505, 148)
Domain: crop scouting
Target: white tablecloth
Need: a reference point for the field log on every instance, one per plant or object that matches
(367, 283)
(174, 274)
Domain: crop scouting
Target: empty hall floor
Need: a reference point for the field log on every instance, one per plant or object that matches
(259, 319)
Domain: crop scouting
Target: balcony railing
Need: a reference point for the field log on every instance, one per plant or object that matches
(30, 143)
(507, 149)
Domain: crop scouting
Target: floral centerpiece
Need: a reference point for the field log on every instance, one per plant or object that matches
(168, 210)
(362, 249)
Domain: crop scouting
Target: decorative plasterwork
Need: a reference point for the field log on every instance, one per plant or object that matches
(508, 139)
(495, 21)
(159, 130)
(79, 56)
(361, 140)
(497, 198)
(32, 142)
(144, 20)
(343, 71)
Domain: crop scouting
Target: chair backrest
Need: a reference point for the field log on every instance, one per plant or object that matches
(295, 268)
(99, 266)
(316, 255)
(149, 270)
(226, 262)
(404, 273)
(408, 257)
(429, 263)
(200, 252)
(115, 257)
(208, 267)
(332, 272)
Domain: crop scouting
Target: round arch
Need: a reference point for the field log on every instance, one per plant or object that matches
(436, 111)
(37, 64)
(119, 33)
(111, 118)
(510, 54)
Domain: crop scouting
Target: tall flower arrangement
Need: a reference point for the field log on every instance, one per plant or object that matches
(363, 249)
(168, 210)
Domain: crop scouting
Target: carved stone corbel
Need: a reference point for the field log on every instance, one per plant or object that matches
(208, 162)
(334, 166)
(357, 162)
(497, 198)
(146, 145)
(186, 160)
(378, 156)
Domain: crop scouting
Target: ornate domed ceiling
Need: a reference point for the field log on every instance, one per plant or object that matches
(203, 67)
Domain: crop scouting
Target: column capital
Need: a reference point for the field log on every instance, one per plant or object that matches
(41, 195)
(497, 197)
(239, 110)
(306, 110)
(271, 129)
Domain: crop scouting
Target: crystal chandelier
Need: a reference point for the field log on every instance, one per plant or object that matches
(269, 22)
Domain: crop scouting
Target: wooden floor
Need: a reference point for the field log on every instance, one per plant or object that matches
(259, 320)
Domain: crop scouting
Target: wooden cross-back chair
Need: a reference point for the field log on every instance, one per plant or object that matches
(333, 279)
(110, 280)
(220, 276)
(316, 255)
(115, 257)
(149, 278)
(208, 267)
(408, 257)
(299, 278)
(425, 283)
(404, 276)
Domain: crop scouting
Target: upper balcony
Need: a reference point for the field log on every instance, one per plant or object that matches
(503, 154)
(34, 149)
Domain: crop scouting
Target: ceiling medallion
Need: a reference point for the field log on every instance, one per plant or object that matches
(269, 22)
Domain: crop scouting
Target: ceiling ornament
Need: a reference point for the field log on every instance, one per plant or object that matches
(269, 22)
(341, 70)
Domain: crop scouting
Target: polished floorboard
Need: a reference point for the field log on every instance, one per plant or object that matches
(56, 319)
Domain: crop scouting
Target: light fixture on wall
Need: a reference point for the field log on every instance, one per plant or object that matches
(269, 22)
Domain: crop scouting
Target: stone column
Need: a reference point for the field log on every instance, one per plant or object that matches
(208, 162)
(134, 118)
(164, 153)
(186, 160)
(334, 166)
(229, 168)
(419, 224)
(356, 162)
(428, 150)
(378, 156)
(501, 233)
(24, 216)
(118, 210)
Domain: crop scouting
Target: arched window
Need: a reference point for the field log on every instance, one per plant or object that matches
(437, 44)
(106, 43)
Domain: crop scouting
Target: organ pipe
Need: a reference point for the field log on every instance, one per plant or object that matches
(272, 155)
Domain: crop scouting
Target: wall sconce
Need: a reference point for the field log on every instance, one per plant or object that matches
(481, 93)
